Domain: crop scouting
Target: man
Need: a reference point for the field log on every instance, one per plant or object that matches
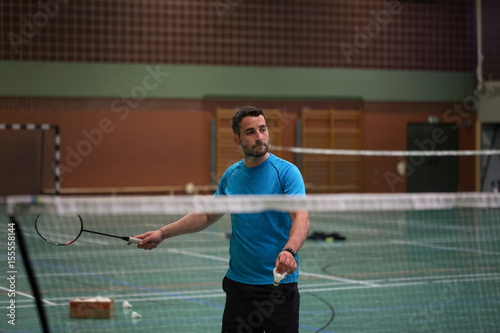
(259, 242)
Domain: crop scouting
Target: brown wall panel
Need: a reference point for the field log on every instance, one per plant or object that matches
(167, 142)
(385, 129)
(146, 148)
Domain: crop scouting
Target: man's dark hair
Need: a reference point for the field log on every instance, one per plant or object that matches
(245, 111)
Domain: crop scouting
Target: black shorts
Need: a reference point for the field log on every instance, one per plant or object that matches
(259, 308)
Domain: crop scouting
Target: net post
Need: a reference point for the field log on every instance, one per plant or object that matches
(213, 152)
(299, 143)
(57, 157)
(477, 175)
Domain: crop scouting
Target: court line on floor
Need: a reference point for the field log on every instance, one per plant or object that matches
(327, 277)
(162, 295)
(373, 309)
(372, 283)
(123, 283)
(223, 259)
(198, 255)
(207, 293)
(339, 279)
(26, 295)
(359, 284)
(458, 276)
(143, 271)
(126, 252)
(144, 322)
(213, 293)
(442, 247)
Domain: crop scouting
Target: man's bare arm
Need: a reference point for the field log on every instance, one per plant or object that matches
(190, 223)
(298, 234)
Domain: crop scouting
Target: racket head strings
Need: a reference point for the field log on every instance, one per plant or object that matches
(59, 229)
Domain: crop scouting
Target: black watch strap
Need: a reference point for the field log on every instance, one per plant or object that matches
(289, 250)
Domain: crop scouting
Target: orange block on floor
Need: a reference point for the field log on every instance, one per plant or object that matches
(91, 307)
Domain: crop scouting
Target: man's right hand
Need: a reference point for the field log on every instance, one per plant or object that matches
(150, 240)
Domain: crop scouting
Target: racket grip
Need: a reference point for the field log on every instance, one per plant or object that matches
(134, 240)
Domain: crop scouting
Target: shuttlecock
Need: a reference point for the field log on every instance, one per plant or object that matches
(135, 315)
(190, 189)
(277, 277)
(126, 305)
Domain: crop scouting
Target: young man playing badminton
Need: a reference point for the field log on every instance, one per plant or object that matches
(259, 242)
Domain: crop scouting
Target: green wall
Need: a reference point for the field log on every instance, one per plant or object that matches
(56, 79)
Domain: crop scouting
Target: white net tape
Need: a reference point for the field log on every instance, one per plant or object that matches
(356, 152)
(152, 205)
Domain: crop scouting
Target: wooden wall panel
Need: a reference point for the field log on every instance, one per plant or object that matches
(332, 129)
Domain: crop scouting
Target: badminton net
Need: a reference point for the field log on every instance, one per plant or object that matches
(373, 263)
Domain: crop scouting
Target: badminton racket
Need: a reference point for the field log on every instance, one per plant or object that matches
(66, 229)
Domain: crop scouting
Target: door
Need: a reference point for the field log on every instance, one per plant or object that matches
(432, 173)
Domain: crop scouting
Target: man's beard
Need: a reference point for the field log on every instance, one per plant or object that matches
(251, 152)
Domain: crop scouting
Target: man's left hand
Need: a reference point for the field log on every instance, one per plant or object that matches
(286, 263)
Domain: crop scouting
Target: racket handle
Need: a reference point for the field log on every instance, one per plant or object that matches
(134, 240)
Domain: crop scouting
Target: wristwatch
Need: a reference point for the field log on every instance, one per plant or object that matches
(289, 250)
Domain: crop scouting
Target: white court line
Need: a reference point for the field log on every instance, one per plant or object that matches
(362, 287)
(145, 299)
(491, 278)
(126, 252)
(210, 293)
(163, 298)
(327, 284)
(142, 271)
(129, 297)
(361, 230)
(26, 295)
(335, 278)
(328, 277)
(32, 306)
(81, 239)
(429, 279)
(181, 296)
(448, 277)
(458, 239)
(157, 270)
(449, 248)
(428, 225)
(194, 254)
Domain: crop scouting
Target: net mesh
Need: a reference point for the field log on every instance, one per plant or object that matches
(427, 166)
(409, 262)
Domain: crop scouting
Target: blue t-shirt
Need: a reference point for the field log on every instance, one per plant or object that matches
(257, 239)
